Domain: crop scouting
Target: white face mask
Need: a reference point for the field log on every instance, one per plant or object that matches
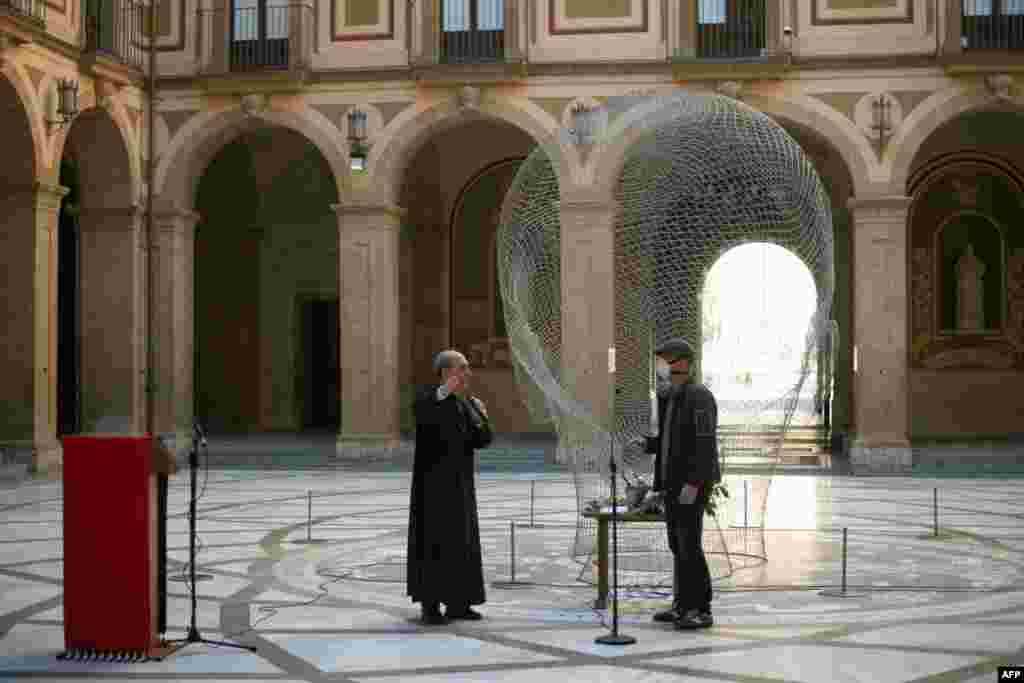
(662, 369)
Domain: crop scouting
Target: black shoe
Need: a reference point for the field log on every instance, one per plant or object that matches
(693, 619)
(469, 614)
(667, 616)
(432, 616)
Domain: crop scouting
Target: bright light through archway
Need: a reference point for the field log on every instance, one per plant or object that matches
(758, 303)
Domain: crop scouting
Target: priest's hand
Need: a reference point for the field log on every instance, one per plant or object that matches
(479, 405)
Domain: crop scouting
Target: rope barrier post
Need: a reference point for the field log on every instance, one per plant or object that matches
(512, 583)
(309, 540)
(935, 510)
(533, 484)
(842, 592)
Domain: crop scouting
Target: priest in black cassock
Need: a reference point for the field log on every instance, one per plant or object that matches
(444, 563)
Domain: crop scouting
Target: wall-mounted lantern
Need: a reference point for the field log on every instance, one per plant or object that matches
(67, 102)
(357, 139)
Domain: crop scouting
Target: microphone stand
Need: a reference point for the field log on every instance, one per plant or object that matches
(614, 638)
(198, 438)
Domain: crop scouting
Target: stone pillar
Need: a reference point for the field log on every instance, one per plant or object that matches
(28, 306)
(113, 320)
(173, 323)
(588, 302)
(880, 410)
(368, 233)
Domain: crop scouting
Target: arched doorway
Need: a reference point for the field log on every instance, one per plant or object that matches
(266, 288)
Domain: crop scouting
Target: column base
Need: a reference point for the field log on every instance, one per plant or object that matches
(47, 459)
(875, 457)
(368, 446)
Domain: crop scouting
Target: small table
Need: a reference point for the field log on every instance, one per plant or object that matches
(603, 517)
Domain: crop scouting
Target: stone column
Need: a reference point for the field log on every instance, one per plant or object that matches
(368, 290)
(588, 301)
(113, 320)
(28, 306)
(880, 411)
(173, 323)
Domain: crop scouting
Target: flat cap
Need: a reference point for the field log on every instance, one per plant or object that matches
(675, 348)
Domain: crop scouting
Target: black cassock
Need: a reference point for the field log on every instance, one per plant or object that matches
(443, 562)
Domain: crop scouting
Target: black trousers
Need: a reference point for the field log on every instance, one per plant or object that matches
(692, 580)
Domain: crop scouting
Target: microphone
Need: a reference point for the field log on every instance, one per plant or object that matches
(198, 434)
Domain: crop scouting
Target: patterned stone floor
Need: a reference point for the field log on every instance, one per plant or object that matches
(917, 608)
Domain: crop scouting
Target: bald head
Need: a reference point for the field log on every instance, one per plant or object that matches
(447, 360)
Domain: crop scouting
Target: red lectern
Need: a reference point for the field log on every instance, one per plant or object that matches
(110, 546)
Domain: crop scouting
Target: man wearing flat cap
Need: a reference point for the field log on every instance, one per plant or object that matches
(685, 469)
(444, 563)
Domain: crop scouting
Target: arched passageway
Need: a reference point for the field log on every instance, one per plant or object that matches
(965, 278)
(102, 327)
(27, 303)
(453, 189)
(266, 300)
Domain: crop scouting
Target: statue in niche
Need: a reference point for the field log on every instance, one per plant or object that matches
(970, 300)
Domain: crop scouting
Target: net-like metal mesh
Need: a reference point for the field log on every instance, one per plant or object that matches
(702, 174)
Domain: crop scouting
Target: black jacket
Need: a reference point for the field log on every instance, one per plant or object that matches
(693, 446)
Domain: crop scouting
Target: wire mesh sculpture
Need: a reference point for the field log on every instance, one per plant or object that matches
(701, 174)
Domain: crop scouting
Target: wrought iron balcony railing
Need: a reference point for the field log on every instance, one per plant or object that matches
(269, 35)
(472, 47)
(29, 9)
(731, 30)
(993, 25)
(116, 28)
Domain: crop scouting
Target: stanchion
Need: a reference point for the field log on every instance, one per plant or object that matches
(746, 505)
(512, 583)
(935, 510)
(842, 592)
(614, 638)
(309, 540)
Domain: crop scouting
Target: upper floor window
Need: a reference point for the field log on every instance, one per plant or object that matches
(711, 12)
(473, 15)
(988, 8)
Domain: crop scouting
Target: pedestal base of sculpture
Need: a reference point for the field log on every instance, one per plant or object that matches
(880, 458)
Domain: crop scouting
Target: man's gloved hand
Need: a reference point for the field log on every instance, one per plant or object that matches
(688, 495)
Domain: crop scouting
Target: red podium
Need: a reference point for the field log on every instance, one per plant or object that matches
(110, 546)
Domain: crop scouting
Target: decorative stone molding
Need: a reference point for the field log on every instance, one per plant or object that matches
(878, 115)
(253, 103)
(733, 89)
(1000, 86)
(468, 97)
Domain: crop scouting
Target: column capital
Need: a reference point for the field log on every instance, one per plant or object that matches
(879, 204)
(171, 219)
(589, 204)
(369, 207)
(47, 195)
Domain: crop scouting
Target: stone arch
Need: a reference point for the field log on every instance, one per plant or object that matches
(16, 91)
(192, 149)
(101, 140)
(406, 134)
(928, 117)
(806, 112)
